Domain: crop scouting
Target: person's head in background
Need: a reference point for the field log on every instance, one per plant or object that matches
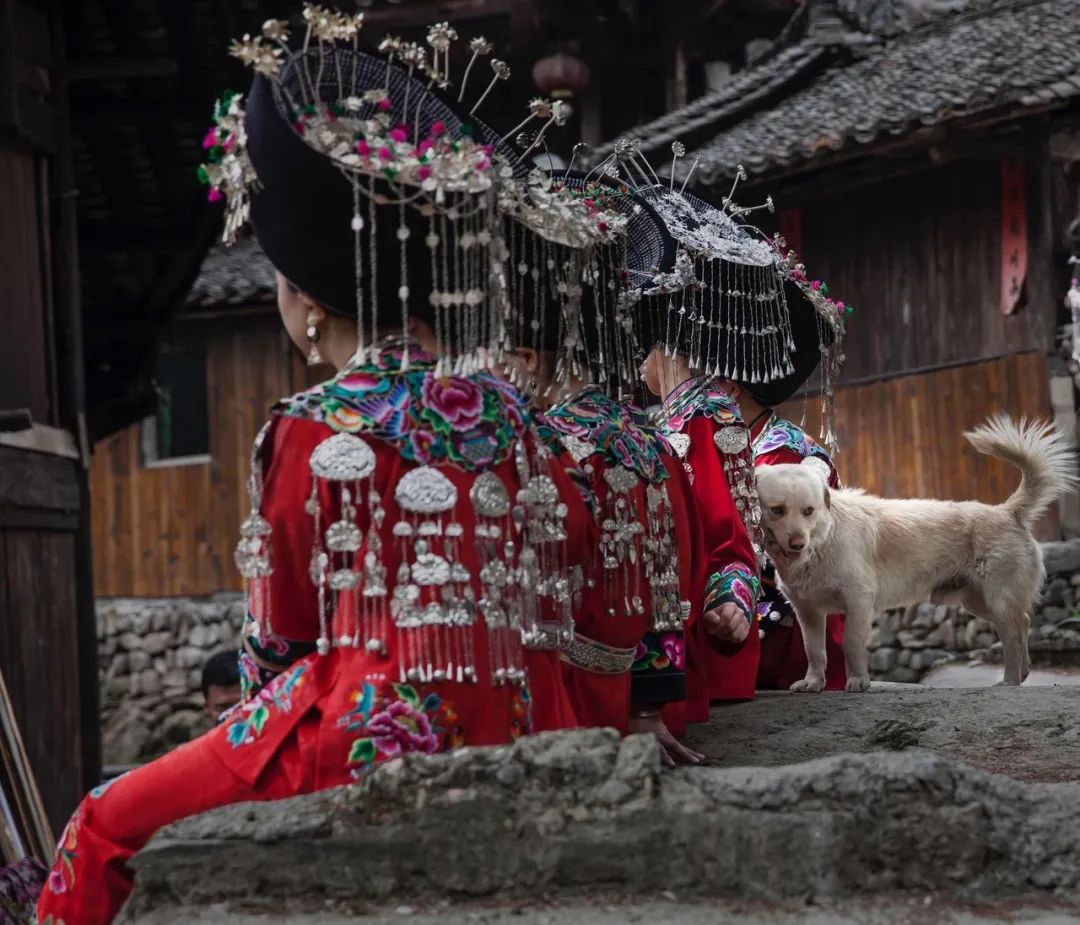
(221, 683)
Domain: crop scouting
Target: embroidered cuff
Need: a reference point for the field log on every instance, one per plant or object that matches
(734, 584)
(264, 656)
(658, 673)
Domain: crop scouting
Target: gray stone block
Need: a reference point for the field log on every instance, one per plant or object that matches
(150, 682)
(157, 643)
(1061, 558)
(579, 811)
(925, 659)
(883, 660)
(137, 660)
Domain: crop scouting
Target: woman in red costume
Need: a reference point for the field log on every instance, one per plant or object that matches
(627, 658)
(409, 535)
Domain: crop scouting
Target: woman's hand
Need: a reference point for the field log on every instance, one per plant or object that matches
(727, 624)
(672, 751)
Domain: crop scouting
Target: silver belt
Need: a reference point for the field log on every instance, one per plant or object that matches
(595, 657)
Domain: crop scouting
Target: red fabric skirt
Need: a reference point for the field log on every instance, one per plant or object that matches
(320, 723)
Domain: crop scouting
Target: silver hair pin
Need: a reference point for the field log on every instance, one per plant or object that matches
(678, 149)
(501, 71)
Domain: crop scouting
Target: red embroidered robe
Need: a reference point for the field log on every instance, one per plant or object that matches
(386, 519)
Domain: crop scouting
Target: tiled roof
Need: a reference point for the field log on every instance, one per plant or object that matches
(232, 275)
(746, 88)
(1010, 53)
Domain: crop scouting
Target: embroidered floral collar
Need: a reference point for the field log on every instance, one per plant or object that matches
(699, 397)
(778, 434)
(469, 421)
(590, 422)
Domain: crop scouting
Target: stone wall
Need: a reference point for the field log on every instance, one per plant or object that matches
(905, 644)
(150, 658)
(151, 652)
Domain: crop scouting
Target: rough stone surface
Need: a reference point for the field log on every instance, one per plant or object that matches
(150, 658)
(585, 812)
(905, 644)
(667, 908)
(1027, 733)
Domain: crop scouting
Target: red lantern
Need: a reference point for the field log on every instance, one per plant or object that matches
(561, 76)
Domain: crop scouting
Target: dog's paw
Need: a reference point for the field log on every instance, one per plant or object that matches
(1005, 682)
(809, 686)
(857, 685)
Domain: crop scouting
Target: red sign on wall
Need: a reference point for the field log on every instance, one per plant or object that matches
(1013, 234)
(790, 224)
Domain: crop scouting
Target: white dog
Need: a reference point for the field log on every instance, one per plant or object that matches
(843, 551)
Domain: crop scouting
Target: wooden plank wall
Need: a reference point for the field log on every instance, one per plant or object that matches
(919, 257)
(903, 437)
(172, 530)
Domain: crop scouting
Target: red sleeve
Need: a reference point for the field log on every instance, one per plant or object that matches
(730, 562)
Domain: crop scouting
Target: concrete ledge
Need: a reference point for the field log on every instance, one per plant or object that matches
(583, 812)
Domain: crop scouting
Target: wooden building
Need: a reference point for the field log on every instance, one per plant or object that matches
(170, 491)
(924, 159)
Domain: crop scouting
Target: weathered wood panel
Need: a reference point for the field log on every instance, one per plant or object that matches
(171, 530)
(39, 641)
(919, 257)
(23, 363)
(903, 437)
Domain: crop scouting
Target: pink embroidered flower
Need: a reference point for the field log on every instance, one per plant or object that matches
(363, 148)
(458, 401)
(399, 134)
(384, 104)
(424, 146)
(424, 172)
(816, 285)
(56, 884)
(400, 729)
(675, 649)
(384, 154)
(422, 441)
(438, 127)
(358, 382)
(214, 195)
(210, 139)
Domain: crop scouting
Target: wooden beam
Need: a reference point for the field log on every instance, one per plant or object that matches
(121, 68)
(422, 14)
(68, 312)
(860, 167)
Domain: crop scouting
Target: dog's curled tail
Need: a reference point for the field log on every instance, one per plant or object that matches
(1046, 461)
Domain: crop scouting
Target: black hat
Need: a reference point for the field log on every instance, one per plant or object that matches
(590, 328)
(302, 211)
(811, 335)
